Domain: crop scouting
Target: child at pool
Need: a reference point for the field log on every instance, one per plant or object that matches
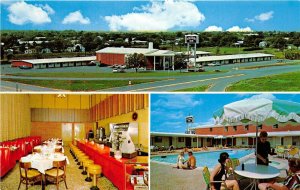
(292, 181)
(180, 160)
(220, 171)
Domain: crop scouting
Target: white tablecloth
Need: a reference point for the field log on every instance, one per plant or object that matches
(43, 162)
(49, 148)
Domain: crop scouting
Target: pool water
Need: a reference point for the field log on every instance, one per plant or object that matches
(209, 159)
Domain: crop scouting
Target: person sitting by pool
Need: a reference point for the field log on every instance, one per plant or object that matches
(220, 171)
(191, 162)
(292, 181)
(263, 149)
(180, 160)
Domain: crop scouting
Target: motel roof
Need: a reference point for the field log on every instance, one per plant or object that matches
(178, 134)
(230, 57)
(145, 51)
(58, 60)
(270, 134)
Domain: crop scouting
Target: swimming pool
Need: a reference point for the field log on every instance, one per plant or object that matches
(209, 159)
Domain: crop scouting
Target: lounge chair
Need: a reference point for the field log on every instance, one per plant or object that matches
(280, 151)
(293, 152)
(206, 176)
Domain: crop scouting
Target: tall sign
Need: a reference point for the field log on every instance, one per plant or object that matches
(189, 120)
(191, 39)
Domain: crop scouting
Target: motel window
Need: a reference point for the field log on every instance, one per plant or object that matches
(275, 126)
(180, 139)
(194, 139)
(246, 127)
(296, 141)
(226, 129)
(158, 139)
(210, 129)
(234, 128)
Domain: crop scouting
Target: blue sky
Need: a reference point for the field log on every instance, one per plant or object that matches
(168, 111)
(151, 15)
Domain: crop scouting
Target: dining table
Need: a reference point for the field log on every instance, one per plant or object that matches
(43, 162)
(256, 172)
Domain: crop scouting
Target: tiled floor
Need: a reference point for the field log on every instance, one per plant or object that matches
(75, 180)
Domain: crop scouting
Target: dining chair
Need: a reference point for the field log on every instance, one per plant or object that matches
(28, 175)
(57, 173)
(36, 150)
(58, 150)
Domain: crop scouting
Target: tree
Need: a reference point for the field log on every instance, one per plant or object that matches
(135, 61)
(280, 43)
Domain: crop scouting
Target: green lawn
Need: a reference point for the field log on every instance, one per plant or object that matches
(194, 89)
(79, 85)
(282, 82)
(113, 75)
(271, 65)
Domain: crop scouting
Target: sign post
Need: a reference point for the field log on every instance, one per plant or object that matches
(189, 122)
(191, 39)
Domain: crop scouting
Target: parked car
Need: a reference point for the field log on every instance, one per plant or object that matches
(25, 67)
(214, 64)
(118, 70)
(92, 63)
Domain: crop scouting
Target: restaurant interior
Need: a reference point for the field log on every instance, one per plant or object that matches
(74, 141)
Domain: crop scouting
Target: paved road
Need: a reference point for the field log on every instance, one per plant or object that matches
(219, 81)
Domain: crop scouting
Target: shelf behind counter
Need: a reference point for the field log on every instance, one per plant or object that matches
(118, 171)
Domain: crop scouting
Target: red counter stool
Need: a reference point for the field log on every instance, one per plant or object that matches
(95, 170)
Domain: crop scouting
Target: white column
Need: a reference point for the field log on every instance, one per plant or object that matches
(164, 60)
(173, 67)
(154, 63)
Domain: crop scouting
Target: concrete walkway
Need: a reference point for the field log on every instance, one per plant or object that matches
(168, 178)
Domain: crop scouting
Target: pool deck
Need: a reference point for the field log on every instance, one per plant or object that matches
(170, 178)
(166, 175)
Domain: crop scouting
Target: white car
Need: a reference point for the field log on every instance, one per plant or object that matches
(214, 64)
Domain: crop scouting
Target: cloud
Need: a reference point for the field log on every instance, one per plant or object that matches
(22, 13)
(211, 121)
(250, 19)
(214, 29)
(238, 29)
(76, 17)
(264, 16)
(157, 16)
(178, 101)
(47, 8)
(261, 17)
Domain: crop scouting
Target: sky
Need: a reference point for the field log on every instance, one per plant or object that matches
(168, 111)
(164, 15)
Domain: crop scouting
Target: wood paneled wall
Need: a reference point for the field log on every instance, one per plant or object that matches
(70, 101)
(60, 115)
(49, 130)
(118, 104)
(15, 116)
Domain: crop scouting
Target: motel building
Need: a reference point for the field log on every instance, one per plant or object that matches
(155, 59)
(237, 136)
(54, 62)
(232, 59)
